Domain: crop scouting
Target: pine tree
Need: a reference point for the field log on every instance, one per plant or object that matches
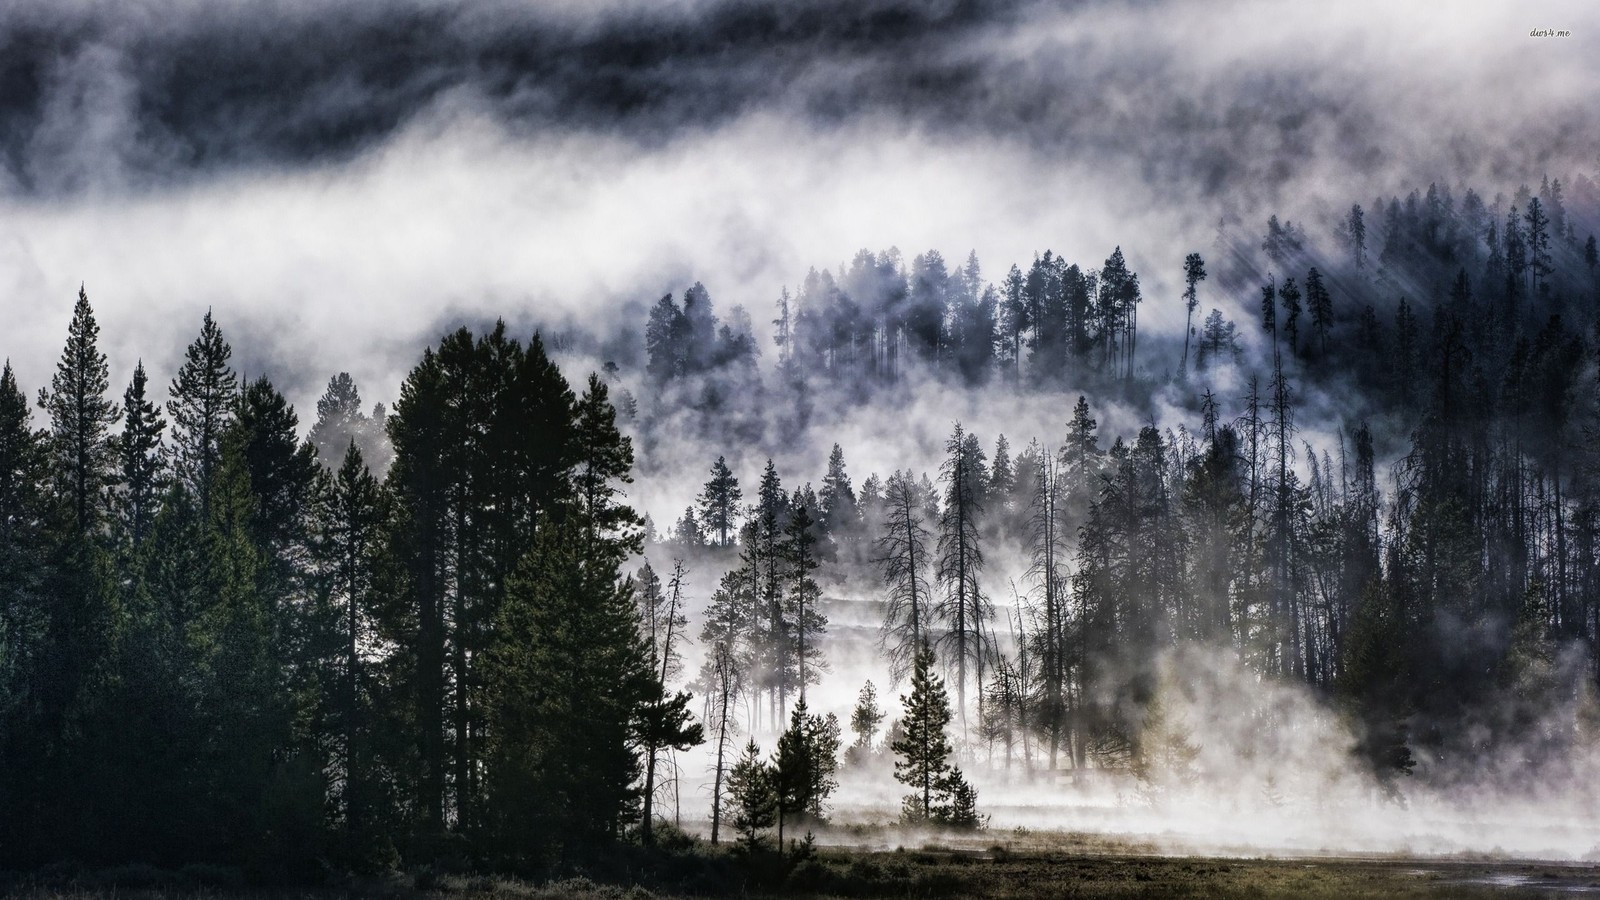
(1591, 260)
(664, 723)
(805, 620)
(1218, 342)
(719, 503)
(841, 514)
(662, 341)
(1538, 238)
(1269, 309)
(23, 547)
(340, 421)
(1194, 272)
(963, 607)
(755, 803)
(247, 712)
(142, 475)
(1356, 231)
(201, 407)
(566, 684)
(903, 549)
(723, 683)
(924, 749)
(1320, 304)
(804, 764)
(282, 471)
(604, 462)
(866, 717)
(81, 416)
(347, 545)
(1289, 294)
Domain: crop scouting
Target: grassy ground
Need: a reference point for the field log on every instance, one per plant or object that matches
(931, 872)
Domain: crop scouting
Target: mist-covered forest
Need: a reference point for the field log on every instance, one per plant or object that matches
(1341, 560)
(712, 446)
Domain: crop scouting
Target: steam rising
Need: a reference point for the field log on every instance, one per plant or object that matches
(342, 183)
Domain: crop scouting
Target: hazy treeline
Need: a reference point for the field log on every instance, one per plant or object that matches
(1447, 604)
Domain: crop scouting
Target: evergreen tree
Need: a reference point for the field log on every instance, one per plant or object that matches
(1194, 272)
(806, 621)
(723, 683)
(963, 608)
(1289, 294)
(840, 512)
(142, 475)
(1014, 319)
(1218, 342)
(604, 458)
(566, 685)
(1320, 305)
(924, 749)
(755, 803)
(804, 764)
(866, 717)
(1591, 261)
(341, 421)
(201, 406)
(81, 416)
(903, 549)
(1538, 241)
(719, 503)
(23, 549)
(1356, 236)
(347, 546)
(662, 341)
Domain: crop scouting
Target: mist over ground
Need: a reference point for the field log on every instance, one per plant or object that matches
(341, 184)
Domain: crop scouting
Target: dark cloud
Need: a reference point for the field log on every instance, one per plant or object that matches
(286, 84)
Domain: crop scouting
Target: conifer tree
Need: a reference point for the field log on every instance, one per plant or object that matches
(840, 512)
(755, 803)
(23, 460)
(1538, 240)
(723, 684)
(664, 722)
(1591, 261)
(806, 621)
(866, 717)
(340, 421)
(804, 764)
(1320, 306)
(566, 682)
(923, 749)
(719, 503)
(1194, 272)
(81, 416)
(1269, 309)
(1356, 232)
(1289, 294)
(963, 608)
(903, 549)
(604, 459)
(142, 475)
(200, 408)
(347, 544)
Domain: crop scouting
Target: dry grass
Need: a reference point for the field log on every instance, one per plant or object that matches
(931, 871)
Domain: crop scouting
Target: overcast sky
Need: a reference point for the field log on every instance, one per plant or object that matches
(341, 181)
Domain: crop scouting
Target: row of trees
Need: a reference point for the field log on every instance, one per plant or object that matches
(218, 644)
(1242, 535)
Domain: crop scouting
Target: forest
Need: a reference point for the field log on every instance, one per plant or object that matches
(441, 630)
